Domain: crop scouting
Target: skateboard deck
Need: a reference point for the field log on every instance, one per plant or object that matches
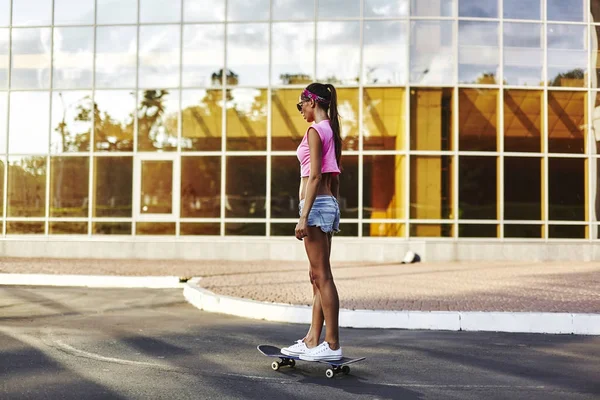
(335, 367)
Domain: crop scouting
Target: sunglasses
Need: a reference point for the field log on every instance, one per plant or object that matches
(299, 105)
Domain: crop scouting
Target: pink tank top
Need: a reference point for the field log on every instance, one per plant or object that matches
(328, 162)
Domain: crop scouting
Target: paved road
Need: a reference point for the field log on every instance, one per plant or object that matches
(149, 344)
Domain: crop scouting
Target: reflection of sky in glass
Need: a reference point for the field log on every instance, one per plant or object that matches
(293, 9)
(384, 55)
(66, 107)
(566, 10)
(431, 52)
(118, 104)
(73, 12)
(478, 51)
(160, 11)
(432, 8)
(106, 11)
(567, 49)
(247, 10)
(3, 120)
(203, 53)
(73, 57)
(478, 8)
(293, 50)
(4, 64)
(32, 12)
(29, 122)
(523, 53)
(31, 58)
(338, 51)
(196, 11)
(159, 56)
(386, 8)
(116, 56)
(4, 12)
(331, 9)
(248, 53)
(522, 9)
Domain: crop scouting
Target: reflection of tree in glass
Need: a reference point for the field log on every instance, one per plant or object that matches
(110, 134)
(573, 78)
(27, 183)
(295, 79)
(155, 130)
(73, 141)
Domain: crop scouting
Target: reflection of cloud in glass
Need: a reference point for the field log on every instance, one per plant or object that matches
(3, 120)
(106, 11)
(293, 9)
(293, 52)
(432, 8)
(32, 12)
(70, 12)
(73, 57)
(566, 36)
(196, 11)
(71, 121)
(338, 51)
(522, 9)
(248, 53)
(203, 53)
(29, 123)
(247, 10)
(31, 58)
(386, 8)
(116, 56)
(478, 8)
(4, 62)
(431, 52)
(331, 9)
(4, 12)
(384, 56)
(160, 11)
(523, 53)
(566, 10)
(478, 52)
(159, 56)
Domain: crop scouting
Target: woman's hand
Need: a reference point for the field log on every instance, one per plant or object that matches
(301, 228)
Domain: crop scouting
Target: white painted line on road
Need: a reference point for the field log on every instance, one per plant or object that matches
(92, 281)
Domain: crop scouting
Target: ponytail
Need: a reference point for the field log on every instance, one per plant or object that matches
(334, 119)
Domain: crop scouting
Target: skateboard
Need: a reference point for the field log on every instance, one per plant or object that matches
(335, 367)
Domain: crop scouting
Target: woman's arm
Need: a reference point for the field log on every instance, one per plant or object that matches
(314, 180)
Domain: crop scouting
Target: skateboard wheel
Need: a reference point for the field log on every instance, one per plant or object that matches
(292, 363)
(329, 373)
(346, 369)
(275, 365)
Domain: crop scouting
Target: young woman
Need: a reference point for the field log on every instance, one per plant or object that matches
(319, 154)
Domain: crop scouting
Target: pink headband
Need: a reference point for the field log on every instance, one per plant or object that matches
(310, 95)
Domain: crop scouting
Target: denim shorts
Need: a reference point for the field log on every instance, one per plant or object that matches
(325, 213)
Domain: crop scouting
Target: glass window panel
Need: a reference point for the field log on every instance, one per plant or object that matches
(29, 123)
(67, 228)
(158, 119)
(523, 188)
(246, 187)
(26, 186)
(111, 228)
(31, 58)
(523, 120)
(74, 12)
(71, 121)
(431, 230)
(201, 116)
(567, 55)
(160, 11)
(73, 58)
(384, 52)
(283, 229)
(128, 11)
(432, 8)
(154, 228)
(2, 163)
(348, 197)
(384, 187)
(384, 230)
(288, 127)
(431, 119)
(4, 60)
(285, 183)
(432, 52)
(247, 10)
(386, 8)
(329, 9)
(478, 231)
(247, 119)
(477, 119)
(3, 120)
(113, 127)
(348, 230)
(248, 54)
(25, 228)
(477, 187)
(197, 11)
(200, 187)
(348, 111)
(478, 52)
(4, 12)
(384, 124)
(113, 180)
(159, 56)
(293, 9)
(116, 56)
(293, 53)
(567, 122)
(522, 9)
(69, 178)
(566, 10)
(338, 52)
(523, 54)
(203, 54)
(567, 199)
(156, 187)
(31, 12)
(431, 187)
(245, 229)
(478, 8)
(568, 231)
(523, 231)
(195, 229)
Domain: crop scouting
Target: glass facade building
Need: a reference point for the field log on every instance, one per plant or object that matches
(460, 118)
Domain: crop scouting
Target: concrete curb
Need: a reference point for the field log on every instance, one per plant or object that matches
(92, 281)
(514, 322)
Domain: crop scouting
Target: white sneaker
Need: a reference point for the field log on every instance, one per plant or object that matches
(296, 349)
(322, 353)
